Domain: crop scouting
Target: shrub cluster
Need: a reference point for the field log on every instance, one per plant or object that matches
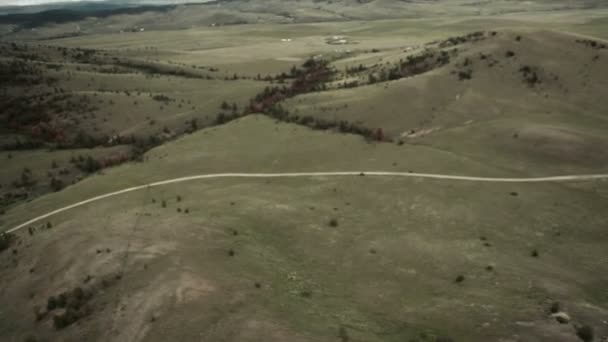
(6, 241)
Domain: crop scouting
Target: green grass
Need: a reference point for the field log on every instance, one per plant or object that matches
(425, 233)
(555, 127)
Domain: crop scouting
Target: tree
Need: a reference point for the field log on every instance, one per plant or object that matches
(343, 334)
(379, 134)
(6, 240)
(585, 333)
(193, 125)
(371, 79)
(56, 184)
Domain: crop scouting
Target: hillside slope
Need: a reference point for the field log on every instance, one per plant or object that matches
(521, 100)
(372, 259)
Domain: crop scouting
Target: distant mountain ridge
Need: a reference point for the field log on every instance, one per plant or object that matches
(180, 14)
(19, 7)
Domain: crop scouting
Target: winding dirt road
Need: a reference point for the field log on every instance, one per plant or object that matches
(566, 178)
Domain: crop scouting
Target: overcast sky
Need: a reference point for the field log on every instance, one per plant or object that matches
(34, 2)
(38, 2)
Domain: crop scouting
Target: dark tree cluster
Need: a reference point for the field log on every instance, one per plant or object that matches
(471, 37)
(6, 241)
(530, 75)
(592, 44)
(311, 77)
(411, 66)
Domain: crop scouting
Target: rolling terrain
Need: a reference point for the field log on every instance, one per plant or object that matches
(307, 171)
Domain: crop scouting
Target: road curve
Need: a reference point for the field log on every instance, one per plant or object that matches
(315, 174)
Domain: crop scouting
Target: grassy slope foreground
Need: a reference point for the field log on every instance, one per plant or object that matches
(357, 258)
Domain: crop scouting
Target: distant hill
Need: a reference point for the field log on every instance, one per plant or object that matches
(285, 10)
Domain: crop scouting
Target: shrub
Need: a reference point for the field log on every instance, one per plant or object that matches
(231, 252)
(31, 338)
(343, 334)
(459, 279)
(444, 339)
(67, 318)
(534, 253)
(555, 307)
(465, 75)
(6, 240)
(56, 184)
(164, 204)
(585, 333)
(333, 222)
(51, 303)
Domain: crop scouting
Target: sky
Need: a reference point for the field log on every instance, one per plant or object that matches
(34, 2)
(39, 2)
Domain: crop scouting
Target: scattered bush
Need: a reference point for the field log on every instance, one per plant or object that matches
(530, 75)
(465, 75)
(6, 241)
(592, 44)
(56, 184)
(31, 338)
(343, 334)
(444, 339)
(69, 317)
(51, 303)
(585, 333)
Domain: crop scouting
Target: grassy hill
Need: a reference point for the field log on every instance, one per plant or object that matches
(74, 99)
(526, 100)
(376, 259)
